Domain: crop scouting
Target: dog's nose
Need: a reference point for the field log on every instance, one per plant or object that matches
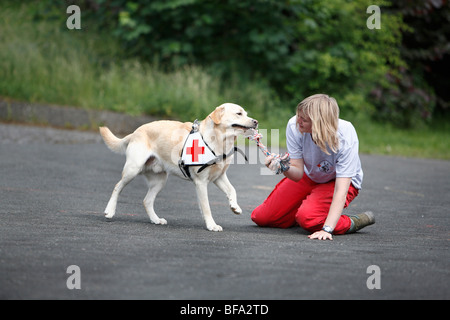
(255, 123)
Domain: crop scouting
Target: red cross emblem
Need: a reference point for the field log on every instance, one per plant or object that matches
(195, 150)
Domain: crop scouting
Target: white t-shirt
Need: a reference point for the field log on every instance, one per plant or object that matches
(319, 166)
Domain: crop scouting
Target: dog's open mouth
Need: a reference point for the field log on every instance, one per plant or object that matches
(239, 126)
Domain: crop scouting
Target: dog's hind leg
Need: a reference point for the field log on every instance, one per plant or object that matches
(202, 196)
(136, 158)
(128, 174)
(155, 181)
(224, 184)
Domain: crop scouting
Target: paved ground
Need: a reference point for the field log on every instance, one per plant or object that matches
(54, 185)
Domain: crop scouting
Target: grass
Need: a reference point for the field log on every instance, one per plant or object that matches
(45, 62)
(425, 142)
(42, 61)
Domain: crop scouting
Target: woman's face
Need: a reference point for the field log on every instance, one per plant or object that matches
(304, 123)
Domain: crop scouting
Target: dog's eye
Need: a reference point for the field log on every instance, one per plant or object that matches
(239, 113)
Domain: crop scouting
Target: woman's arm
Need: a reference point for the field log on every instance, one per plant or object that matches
(295, 172)
(337, 205)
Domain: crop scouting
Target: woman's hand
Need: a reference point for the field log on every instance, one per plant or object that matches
(268, 161)
(271, 164)
(321, 235)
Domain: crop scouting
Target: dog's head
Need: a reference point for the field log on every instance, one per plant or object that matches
(232, 116)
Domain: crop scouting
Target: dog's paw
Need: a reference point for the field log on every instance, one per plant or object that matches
(160, 221)
(109, 216)
(215, 228)
(236, 209)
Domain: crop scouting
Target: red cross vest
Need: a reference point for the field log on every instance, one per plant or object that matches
(195, 152)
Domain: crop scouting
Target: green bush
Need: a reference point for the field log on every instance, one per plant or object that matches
(44, 62)
(289, 48)
(300, 47)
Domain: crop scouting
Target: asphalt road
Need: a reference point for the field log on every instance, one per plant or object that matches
(54, 186)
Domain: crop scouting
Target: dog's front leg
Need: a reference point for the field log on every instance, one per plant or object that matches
(225, 185)
(202, 196)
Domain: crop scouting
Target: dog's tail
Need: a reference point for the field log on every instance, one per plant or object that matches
(112, 142)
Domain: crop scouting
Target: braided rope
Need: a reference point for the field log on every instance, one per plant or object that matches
(280, 161)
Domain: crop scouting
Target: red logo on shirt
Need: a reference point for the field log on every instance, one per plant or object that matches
(325, 166)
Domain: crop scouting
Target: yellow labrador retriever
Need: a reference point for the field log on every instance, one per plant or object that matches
(162, 147)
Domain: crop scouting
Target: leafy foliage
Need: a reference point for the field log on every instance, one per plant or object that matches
(298, 47)
(426, 50)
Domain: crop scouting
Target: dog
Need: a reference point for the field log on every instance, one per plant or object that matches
(154, 150)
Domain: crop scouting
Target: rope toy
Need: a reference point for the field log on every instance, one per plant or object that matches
(281, 162)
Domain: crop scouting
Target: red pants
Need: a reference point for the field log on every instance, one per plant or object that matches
(305, 203)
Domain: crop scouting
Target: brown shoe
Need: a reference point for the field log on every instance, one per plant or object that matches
(361, 220)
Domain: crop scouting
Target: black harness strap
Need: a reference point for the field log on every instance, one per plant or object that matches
(224, 156)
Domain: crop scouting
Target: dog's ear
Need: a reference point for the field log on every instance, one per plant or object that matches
(217, 114)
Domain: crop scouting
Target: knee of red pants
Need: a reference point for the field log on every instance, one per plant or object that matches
(264, 217)
(259, 217)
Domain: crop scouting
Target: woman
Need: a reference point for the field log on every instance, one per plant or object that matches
(324, 175)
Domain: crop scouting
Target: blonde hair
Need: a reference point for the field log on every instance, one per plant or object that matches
(323, 111)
